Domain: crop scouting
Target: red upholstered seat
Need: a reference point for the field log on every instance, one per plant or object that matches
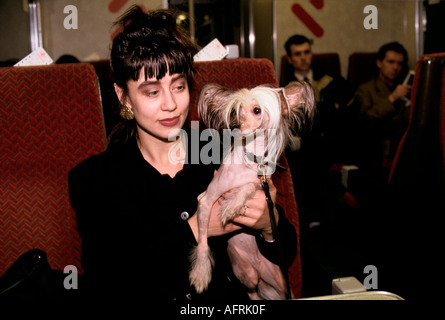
(50, 119)
(248, 73)
(441, 55)
(427, 106)
(413, 101)
(416, 187)
(442, 119)
(362, 67)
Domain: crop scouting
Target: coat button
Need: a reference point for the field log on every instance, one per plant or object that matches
(185, 215)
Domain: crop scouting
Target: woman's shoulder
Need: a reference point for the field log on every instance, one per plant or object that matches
(112, 156)
(90, 164)
(97, 166)
(83, 175)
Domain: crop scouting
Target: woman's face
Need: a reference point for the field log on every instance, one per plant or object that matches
(160, 106)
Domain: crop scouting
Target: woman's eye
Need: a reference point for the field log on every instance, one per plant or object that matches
(180, 87)
(153, 93)
(256, 110)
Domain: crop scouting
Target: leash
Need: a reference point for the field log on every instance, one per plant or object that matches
(262, 173)
(273, 223)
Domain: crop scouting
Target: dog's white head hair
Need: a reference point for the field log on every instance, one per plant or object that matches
(275, 109)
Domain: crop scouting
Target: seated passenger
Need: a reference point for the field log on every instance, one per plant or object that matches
(136, 208)
(384, 111)
(328, 140)
(332, 92)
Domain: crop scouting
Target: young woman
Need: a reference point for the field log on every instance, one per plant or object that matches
(135, 207)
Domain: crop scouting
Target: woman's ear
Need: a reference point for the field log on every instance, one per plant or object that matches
(120, 93)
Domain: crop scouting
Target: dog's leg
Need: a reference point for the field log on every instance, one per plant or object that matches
(240, 257)
(233, 204)
(262, 278)
(201, 258)
(226, 178)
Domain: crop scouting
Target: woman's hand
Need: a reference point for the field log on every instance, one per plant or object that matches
(256, 215)
(216, 227)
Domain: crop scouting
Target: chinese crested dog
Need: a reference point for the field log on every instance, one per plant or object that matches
(261, 121)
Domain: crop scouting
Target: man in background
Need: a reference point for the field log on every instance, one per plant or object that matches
(384, 111)
(326, 141)
(333, 93)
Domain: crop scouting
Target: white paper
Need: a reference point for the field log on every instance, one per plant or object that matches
(36, 58)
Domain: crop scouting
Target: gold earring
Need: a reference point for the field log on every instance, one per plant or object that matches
(126, 112)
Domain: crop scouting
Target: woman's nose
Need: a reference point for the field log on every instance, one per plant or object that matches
(169, 102)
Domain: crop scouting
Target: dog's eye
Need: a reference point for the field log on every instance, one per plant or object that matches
(257, 110)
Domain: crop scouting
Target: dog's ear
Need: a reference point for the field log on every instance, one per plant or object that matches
(214, 94)
(211, 105)
(208, 90)
(299, 101)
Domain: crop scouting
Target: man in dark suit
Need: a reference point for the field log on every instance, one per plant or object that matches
(327, 141)
(333, 93)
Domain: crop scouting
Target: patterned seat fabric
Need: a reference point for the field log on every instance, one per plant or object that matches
(249, 73)
(50, 119)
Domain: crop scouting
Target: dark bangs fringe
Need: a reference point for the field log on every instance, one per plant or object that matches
(154, 64)
(157, 65)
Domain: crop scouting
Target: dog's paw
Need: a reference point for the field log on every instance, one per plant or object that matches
(234, 201)
(230, 210)
(201, 271)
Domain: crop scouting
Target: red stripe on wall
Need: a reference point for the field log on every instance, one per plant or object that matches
(305, 17)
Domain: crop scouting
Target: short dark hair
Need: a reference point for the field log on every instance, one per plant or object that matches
(151, 41)
(392, 46)
(296, 39)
